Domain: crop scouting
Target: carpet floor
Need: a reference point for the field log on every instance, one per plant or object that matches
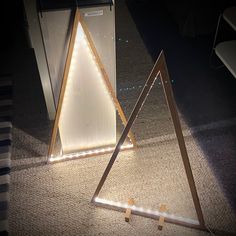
(55, 199)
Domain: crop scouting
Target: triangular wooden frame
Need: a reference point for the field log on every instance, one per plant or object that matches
(159, 69)
(78, 20)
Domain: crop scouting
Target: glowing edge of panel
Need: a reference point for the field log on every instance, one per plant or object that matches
(170, 218)
(87, 153)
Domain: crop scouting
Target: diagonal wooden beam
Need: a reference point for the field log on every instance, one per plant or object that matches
(64, 82)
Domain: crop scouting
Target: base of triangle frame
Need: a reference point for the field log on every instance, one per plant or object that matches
(153, 214)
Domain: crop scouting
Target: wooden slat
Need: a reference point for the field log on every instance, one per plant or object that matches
(162, 218)
(128, 211)
(64, 82)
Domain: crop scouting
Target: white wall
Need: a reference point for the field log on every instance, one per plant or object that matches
(56, 34)
(37, 44)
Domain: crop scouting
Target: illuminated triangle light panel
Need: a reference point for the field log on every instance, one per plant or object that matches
(85, 71)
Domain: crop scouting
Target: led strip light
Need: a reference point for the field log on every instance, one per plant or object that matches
(171, 218)
(87, 153)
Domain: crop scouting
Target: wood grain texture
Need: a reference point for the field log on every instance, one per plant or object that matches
(64, 82)
(162, 218)
(129, 211)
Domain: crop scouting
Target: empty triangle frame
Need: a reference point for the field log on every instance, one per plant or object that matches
(159, 70)
(86, 98)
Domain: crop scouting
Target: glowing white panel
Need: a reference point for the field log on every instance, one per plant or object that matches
(88, 113)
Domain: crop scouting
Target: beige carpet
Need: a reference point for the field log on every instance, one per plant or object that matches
(55, 199)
